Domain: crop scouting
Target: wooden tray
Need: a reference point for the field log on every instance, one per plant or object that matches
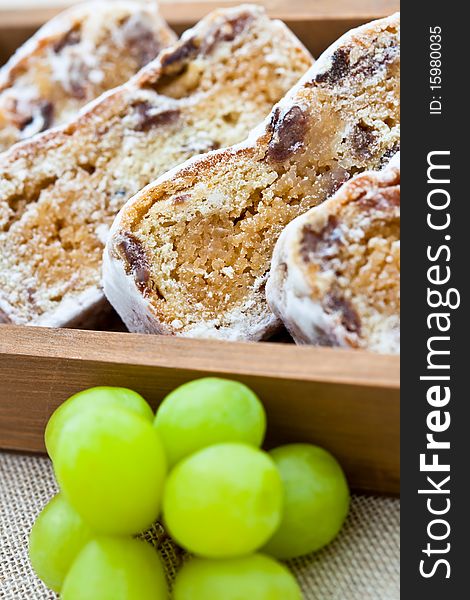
(347, 401)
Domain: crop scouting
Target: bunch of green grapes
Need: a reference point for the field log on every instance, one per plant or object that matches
(111, 467)
(235, 507)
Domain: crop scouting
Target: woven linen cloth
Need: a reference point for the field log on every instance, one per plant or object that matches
(361, 564)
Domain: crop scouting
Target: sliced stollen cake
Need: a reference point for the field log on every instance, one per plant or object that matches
(190, 254)
(335, 273)
(74, 58)
(60, 192)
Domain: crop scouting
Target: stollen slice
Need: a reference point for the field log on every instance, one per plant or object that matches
(190, 254)
(335, 274)
(60, 192)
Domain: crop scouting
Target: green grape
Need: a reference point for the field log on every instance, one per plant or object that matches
(56, 538)
(111, 467)
(206, 412)
(103, 397)
(316, 500)
(255, 577)
(225, 500)
(113, 568)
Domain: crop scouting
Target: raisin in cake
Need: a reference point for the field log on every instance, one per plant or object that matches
(335, 274)
(73, 59)
(190, 254)
(60, 191)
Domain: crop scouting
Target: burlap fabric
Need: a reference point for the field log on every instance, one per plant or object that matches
(362, 564)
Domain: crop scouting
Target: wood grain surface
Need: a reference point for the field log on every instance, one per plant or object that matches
(347, 401)
(33, 11)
